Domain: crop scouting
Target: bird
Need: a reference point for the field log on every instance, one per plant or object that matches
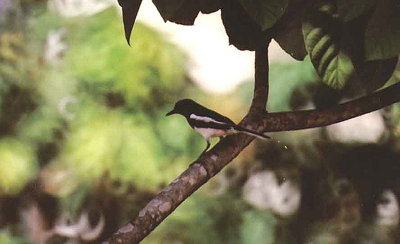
(209, 123)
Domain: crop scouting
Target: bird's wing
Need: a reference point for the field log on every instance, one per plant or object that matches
(204, 112)
(205, 122)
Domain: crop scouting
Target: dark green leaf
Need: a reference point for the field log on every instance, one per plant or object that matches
(243, 32)
(288, 30)
(382, 36)
(265, 13)
(374, 74)
(351, 9)
(185, 11)
(324, 40)
(130, 9)
(167, 8)
(292, 42)
(210, 6)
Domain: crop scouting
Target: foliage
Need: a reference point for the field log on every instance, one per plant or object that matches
(148, 70)
(346, 40)
(17, 165)
(265, 13)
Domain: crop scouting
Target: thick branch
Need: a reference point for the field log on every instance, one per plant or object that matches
(225, 151)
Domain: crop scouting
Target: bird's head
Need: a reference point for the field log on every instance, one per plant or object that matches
(183, 107)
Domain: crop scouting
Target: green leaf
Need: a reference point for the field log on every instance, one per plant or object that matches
(351, 9)
(130, 9)
(185, 11)
(382, 36)
(374, 74)
(265, 13)
(325, 43)
(167, 8)
(289, 30)
(243, 32)
(292, 42)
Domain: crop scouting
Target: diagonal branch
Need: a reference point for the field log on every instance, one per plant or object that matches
(227, 149)
(204, 168)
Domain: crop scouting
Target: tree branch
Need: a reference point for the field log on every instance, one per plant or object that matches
(204, 168)
(298, 120)
(261, 81)
(227, 149)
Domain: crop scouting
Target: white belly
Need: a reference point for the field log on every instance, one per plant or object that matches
(209, 132)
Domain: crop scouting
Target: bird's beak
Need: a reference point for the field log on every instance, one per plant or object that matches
(170, 113)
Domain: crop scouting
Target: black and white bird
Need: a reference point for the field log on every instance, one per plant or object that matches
(209, 123)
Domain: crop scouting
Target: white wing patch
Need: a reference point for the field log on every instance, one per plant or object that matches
(205, 119)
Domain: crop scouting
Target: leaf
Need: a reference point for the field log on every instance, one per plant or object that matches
(265, 13)
(243, 32)
(185, 11)
(351, 9)
(130, 9)
(292, 42)
(382, 36)
(289, 30)
(210, 6)
(374, 74)
(324, 39)
(167, 8)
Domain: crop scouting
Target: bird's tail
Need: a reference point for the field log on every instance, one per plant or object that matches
(252, 133)
(256, 134)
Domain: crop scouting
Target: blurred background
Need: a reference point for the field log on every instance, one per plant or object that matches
(85, 144)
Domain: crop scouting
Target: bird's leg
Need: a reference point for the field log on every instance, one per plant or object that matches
(205, 150)
(207, 147)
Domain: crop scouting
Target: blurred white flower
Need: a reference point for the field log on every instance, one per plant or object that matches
(263, 191)
(388, 209)
(63, 106)
(367, 128)
(55, 47)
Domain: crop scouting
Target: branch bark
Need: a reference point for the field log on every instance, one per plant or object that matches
(261, 80)
(227, 149)
(298, 120)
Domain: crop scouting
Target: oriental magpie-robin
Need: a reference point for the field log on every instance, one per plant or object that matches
(209, 123)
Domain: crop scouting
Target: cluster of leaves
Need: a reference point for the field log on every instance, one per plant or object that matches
(351, 43)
